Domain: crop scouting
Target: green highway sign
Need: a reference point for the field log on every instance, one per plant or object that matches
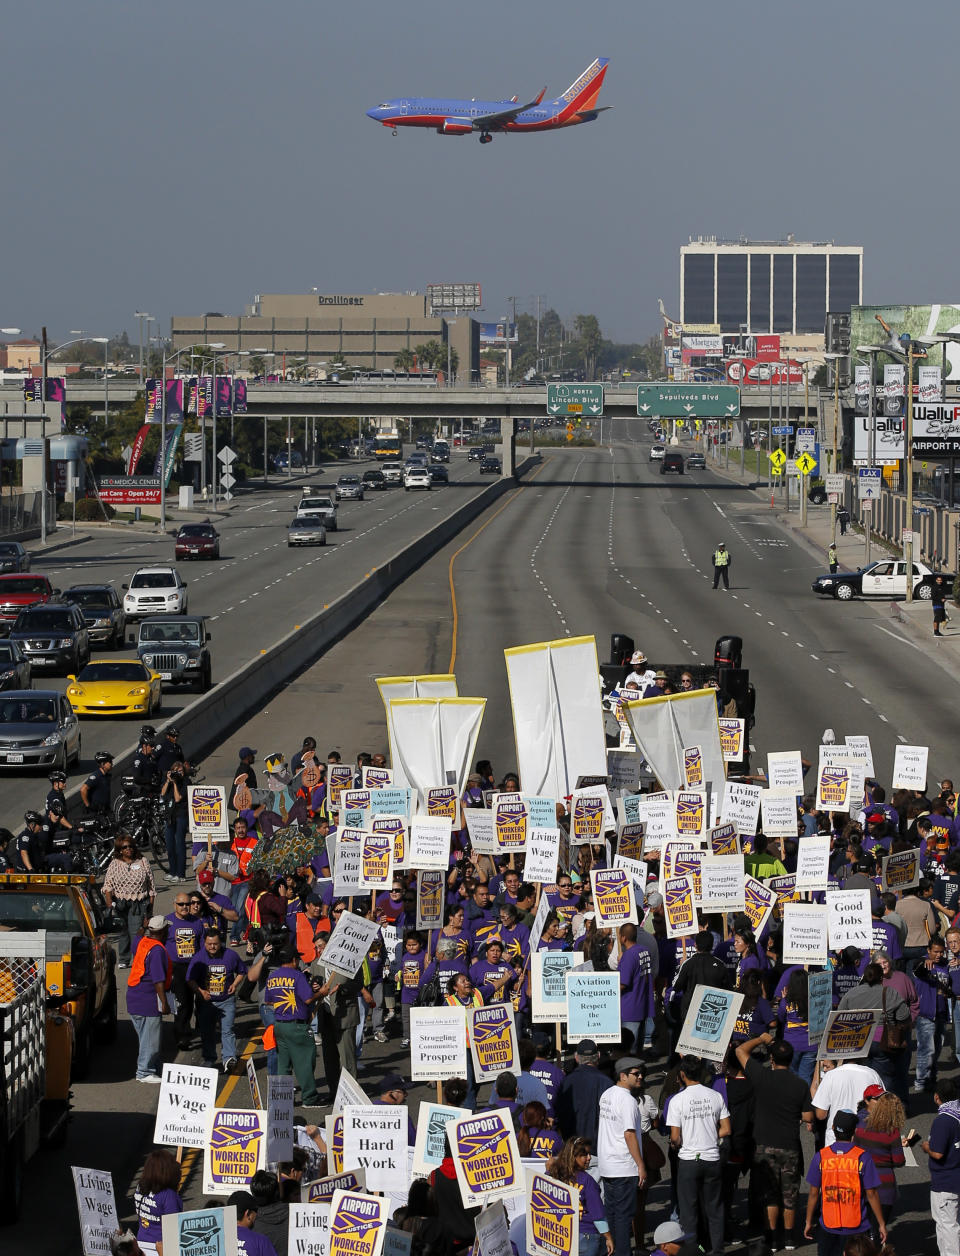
(689, 401)
(575, 399)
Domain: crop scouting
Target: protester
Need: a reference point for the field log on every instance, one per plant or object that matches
(214, 975)
(699, 1121)
(151, 975)
(943, 1152)
(249, 1242)
(578, 1097)
(841, 1090)
(155, 1197)
(128, 890)
(292, 997)
(879, 1132)
(619, 1155)
(845, 1182)
(571, 1166)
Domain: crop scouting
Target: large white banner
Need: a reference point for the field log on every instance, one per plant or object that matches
(557, 715)
(433, 740)
(392, 688)
(663, 727)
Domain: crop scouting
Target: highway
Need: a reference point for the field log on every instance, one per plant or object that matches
(594, 541)
(258, 591)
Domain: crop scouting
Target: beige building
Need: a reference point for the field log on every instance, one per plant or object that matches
(367, 330)
(20, 355)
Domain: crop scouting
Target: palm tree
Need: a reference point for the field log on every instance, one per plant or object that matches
(404, 360)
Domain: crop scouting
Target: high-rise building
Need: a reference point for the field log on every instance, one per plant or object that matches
(764, 286)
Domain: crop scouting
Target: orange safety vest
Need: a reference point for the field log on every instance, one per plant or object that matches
(139, 964)
(455, 1002)
(269, 1039)
(252, 907)
(840, 1188)
(306, 939)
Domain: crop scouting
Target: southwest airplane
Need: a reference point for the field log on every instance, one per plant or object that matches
(463, 117)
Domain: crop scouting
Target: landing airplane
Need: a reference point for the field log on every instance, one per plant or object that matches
(464, 117)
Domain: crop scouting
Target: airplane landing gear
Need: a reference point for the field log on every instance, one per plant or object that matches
(485, 138)
(394, 132)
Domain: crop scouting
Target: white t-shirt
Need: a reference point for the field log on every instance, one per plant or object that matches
(698, 1111)
(841, 1088)
(618, 1113)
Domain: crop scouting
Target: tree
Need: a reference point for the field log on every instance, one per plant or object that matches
(431, 355)
(404, 360)
(588, 331)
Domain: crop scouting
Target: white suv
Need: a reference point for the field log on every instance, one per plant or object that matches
(155, 591)
(416, 477)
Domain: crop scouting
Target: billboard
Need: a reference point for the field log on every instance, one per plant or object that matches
(453, 297)
(130, 490)
(496, 333)
(751, 372)
(917, 320)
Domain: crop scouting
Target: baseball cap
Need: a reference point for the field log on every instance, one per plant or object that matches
(845, 1124)
(669, 1232)
(586, 1046)
(247, 752)
(876, 817)
(394, 1081)
(313, 900)
(157, 922)
(626, 1063)
(874, 1092)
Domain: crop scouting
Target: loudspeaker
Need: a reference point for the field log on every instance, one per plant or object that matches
(728, 652)
(735, 683)
(621, 648)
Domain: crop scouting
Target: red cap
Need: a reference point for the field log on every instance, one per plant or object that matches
(874, 1092)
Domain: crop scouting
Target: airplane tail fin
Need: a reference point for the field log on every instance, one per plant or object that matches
(583, 91)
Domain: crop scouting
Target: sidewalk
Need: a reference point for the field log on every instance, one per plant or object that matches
(914, 621)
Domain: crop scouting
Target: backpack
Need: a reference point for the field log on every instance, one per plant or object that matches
(429, 994)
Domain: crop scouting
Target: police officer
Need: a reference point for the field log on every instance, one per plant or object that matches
(58, 787)
(148, 736)
(144, 767)
(56, 835)
(95, 790)
(28, 846)
(169, 751)
(721, 565)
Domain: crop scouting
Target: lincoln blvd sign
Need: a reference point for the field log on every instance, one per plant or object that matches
(688, 401)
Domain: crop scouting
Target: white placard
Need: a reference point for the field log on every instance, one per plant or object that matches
(429, 843)
(349, 942)
(721, 883)
(376, 861)
(309, 1230)
(97, 1207)
(432, 1134)
(493, 1237)
(543, 853)
(656, 811)
(375, 1140)
(438, 1043)
(804, 933)
(848, 919)
(347, 865)
(741, 806)
(548, 984)
(591, 815)
(349, 1090)
(861, 752)
(637, 869)
(187, 1095)
(279, 1119)
(483, 840)
(813, 862)
(709, 1023)
(910, 767)
(785, 770)
(778, 813)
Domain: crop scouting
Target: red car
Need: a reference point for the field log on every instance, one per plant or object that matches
(18, 591)
(197, 540)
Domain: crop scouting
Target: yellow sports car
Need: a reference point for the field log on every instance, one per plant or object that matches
(115, 687)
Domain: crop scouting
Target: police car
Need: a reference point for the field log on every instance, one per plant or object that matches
(886, 578)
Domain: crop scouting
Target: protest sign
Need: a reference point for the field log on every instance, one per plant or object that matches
(785, 889)
(693, 767)
(483, 840)
(732, 733)
(833, 787)
(510, 822)
(819, 1003)
(187, 1095)
(613, 899)
(678, 908)
(848, 1035)
(593, 1006)
(391, 800)
(637, 869)
(493, 1041)
(861, 752)
(432, 1122)
(396, 1242)
(901, 871)
(630, 839)
(590, 815)
(778, 813)
(254, 1084)
(690, 811)
(206, 1232)
(430, 843)
(234, 1148)
(709, 1022)
(339, 779)
(785, 771)
(723, 839)
(376, 861)
(207, 812)
(375, 1140)
(347, 865)
(493, 1236)
(354, 808)
(486, 1157)
(539, 920)
(657, 812)
(548, 984)
(438, 1043)
(349, 1090)
(376, 778)
(553, 1217)
(543, 852)
(541, 812)
(758, 902)
(349, 942)
(910, 767)
(333, 1137)
(308, 1233)
(394, 827)
(441, 800)
(721, 883)
(804, 933)
(623, 768)
(322, 1190)
(357, 1223)
(97, 1207)
(431, 889)
(689, 863)
(848, 919)
(279, 1119)
(813, 862)
(741, 806)
(628, 807)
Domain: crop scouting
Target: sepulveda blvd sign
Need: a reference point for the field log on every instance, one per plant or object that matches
(575, 399)
(689, 401)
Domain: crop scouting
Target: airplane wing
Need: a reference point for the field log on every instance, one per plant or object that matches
(491, 121)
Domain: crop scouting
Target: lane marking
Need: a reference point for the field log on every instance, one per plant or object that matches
(896, 636)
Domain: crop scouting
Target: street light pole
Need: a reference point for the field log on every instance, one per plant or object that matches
(908, 459)
(139, 315)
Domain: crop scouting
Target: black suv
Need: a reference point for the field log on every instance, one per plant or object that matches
(177, 646)
(102, 611)
(54, 637)
(373, 480)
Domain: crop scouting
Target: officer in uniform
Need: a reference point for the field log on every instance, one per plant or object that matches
(28, 846)
(290, 994)
(56, 833)
(58, 787)
(169, 752)
(144, 767)
(721, 565)
(95, 790)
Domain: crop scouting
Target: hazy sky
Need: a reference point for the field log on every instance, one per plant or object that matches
(179, 158)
